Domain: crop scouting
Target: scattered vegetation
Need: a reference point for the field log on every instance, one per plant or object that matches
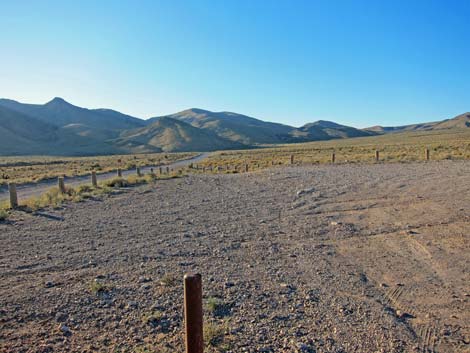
(217, 308)
(398, 147)
(97, 287)
(34, 169)
(3, 215)
(169, 280)
(152, 318)
(215, 336)
(55, 199)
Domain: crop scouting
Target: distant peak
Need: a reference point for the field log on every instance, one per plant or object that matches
(196, 111)
(58, 101)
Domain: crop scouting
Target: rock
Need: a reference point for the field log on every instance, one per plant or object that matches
(49, 284)
(143, 279)
(65, 330)
(61, 317)
(132, 305)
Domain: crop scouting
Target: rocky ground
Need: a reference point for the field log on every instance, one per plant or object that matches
(331, 258)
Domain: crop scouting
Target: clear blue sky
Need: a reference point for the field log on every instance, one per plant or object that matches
(355, 62)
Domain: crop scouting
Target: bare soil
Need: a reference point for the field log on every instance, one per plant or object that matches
(331, 258)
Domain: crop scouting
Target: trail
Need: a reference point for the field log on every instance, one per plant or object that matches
(28, 190)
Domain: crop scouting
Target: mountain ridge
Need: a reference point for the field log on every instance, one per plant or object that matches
(61, 128)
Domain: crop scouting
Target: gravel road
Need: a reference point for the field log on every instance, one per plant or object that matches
(28, 190)
(329, 258)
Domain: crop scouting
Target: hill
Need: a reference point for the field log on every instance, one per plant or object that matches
(459, 122)
(21, 134)
(60, 113)
(171, 135)
(61, 128)
(237, 127)
(327, 130)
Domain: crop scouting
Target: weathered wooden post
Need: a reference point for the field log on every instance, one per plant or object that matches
(333, 157)
(291, 159)
(61, 185)
(426, 153)
(193, 318)
(161, 170)
(151, 171)
(246, 168)
(168, 170)
(13, 195)
(94, 182)
(137, 170)
(377, 155)
(119, 173)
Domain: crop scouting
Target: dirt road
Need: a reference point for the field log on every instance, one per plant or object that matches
(33, 189)
(331, 258)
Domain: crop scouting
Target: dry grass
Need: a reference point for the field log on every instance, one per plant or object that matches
(54, 198)
(33, 169)
(404, 147)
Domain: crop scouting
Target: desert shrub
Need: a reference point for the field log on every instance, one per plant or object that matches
(3, 215)
(115, 182)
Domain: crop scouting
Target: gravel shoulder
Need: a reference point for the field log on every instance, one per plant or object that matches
(329, 258)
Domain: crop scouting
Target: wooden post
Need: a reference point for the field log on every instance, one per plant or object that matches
(119, 173)
(61, 185)
(291, 159)
(168, 170)
(377, 155)
(161, 170)
(426, 153)
(13, 195)
(333, 157)
(246, 168)
(193, 318)
(93, 179)
(137, 170)
(151, 171)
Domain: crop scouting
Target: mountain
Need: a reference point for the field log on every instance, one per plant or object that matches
(61, 128)
(236, 127)
(327, 130)
(458, 122)
(171, 135)
(21, 134)
(60, 113)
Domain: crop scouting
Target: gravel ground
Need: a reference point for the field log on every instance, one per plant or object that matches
(331, 258)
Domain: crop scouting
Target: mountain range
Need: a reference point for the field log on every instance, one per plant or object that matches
(61, 128)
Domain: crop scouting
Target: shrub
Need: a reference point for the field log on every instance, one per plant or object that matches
(3, 215)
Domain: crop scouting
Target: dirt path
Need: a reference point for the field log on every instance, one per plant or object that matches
(341, 258)
(34, 189)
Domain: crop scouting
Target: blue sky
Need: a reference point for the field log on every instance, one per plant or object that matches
(355, 62)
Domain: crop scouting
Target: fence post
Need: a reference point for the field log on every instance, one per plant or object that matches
(119, 173)
(137, 170)
(93, 179)
(291, 159)
(61, 185)
(168, 170)
(426, 153)
(377, 155)
(333, 157)
(13, 195)
(246, 168)
(161, 170)
(193, 313)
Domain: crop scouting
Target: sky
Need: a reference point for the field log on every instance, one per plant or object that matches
(358, 63)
